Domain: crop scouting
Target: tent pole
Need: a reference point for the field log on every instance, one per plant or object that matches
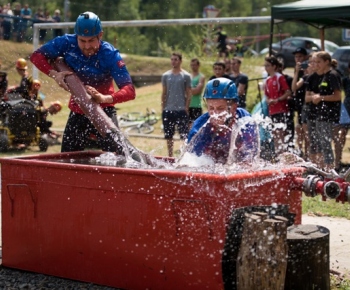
(271, 35)
(322, 38)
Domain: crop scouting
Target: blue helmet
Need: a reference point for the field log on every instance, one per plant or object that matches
(88, 24)
(221, 88)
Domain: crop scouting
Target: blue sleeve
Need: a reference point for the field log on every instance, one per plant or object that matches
(198, 123)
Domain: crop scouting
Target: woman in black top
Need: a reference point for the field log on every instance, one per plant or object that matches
(327, 100)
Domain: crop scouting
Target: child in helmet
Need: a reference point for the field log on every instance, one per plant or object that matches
(212, 132)
(26, 80)
(43, 112)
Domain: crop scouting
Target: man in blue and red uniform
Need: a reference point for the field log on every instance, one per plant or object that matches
(213, 132)
(96, 63)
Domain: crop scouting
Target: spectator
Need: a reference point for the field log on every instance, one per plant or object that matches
(228, 70)
(241, 81)
(277, 91)
(175, 101)
(301, 60)
(327, 99)
(299, 85)
(211, 133)
(7, 21)
(44, 125)
(219, 70)
(3, 84)
(16, 20)
(197, 85)
(26, 80)
(39, 17)
(290, 115)
(312, 87)
(57, 18)
(221, 40)
(26, 14)
(82, 51)
(341, 129)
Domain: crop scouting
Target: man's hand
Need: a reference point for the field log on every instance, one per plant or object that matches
(59, 77)
(98, 97)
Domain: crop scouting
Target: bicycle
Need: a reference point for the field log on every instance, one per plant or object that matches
(137, 122)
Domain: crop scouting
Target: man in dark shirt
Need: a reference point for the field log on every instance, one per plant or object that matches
(219, 70)
(221, 43)
(241, 81)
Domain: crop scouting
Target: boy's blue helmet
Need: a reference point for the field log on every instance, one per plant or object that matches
(88, 24)
(221, 88)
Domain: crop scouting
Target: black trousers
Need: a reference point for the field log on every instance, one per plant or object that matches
(79, 130)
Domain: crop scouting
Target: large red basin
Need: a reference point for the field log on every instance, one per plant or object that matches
(127, 228)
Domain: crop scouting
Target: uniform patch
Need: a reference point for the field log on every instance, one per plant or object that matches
(215, 92)
(120, 63)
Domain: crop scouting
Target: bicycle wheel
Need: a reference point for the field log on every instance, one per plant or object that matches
(144, 128)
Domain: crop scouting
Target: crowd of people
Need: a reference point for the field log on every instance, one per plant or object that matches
(207, 134)
(14, 21)
(312, 97)
(305, 109)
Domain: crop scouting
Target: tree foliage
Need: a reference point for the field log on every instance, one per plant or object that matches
(158, 40)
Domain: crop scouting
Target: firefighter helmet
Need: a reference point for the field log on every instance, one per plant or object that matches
(88, 24)
(221, 88)
(21, 63)
(36, 84)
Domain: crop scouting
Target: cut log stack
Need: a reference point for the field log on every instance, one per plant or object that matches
(274, 256)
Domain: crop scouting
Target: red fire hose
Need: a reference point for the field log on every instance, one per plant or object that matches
(97, 116)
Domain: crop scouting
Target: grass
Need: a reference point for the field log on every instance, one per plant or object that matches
(317, 207)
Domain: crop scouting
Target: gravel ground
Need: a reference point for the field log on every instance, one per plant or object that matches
(11, 279)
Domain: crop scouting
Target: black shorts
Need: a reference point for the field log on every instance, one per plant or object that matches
(194, 113)
(279, 118)
(79, 129)
(173, 120)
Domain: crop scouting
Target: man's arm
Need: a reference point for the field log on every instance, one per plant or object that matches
(188, 98)
(199, 88)
(43, 64)
(241, 89)
(163, 97)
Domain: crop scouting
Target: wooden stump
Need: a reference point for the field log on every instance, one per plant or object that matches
(262, 258)
(308, 258)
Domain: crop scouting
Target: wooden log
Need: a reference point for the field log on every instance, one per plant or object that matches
(234, 238)
(262, 258)
(308, 258)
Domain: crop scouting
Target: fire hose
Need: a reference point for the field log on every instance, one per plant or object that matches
(97, 116)
(329, 185)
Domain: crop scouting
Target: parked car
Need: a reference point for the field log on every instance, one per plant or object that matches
(342, 55)
(284, 49)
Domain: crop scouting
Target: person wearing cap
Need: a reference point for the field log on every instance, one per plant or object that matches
(25, 83)
(97, 64)
(301, 57)
(211, 133)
